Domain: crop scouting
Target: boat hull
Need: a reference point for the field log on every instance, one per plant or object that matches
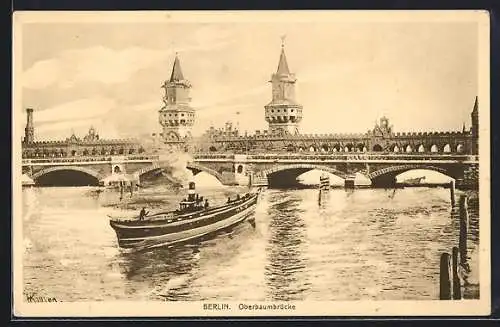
(145, 235)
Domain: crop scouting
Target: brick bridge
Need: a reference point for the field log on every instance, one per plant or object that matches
(277, 169)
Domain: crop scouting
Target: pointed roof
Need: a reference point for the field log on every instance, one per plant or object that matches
(475, 106)
(283, 65)
(176, 71)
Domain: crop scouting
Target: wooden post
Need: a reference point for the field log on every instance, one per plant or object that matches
(349, 183)
(464, 224)
(452, 192)
(444, 278)
(457, 289)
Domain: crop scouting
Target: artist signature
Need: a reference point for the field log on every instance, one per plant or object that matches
(32, 297)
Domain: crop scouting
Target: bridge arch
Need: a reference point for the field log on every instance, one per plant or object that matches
(196, 168)
(305, 167)
(88, 171)
(387, 175)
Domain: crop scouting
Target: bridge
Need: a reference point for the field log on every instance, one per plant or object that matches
(272, 169)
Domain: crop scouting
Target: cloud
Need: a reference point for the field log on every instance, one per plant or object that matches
(76, 110)
(94, 64)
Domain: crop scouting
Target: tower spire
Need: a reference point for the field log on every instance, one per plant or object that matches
(283, 64)
(176, 70)
(474, 110)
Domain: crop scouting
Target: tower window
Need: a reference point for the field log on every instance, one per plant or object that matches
(291, 110)
(182, 115)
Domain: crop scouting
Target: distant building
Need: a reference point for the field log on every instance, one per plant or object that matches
(73, 146)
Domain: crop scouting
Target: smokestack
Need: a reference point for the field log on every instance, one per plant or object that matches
(29, 131)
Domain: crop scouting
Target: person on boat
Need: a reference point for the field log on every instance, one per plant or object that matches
(143, 213)
(228, 199)
(206, 204)
(238, 197)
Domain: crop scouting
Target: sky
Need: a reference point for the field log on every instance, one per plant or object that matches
(422, 75)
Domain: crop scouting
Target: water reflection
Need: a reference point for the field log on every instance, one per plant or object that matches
(285, 268)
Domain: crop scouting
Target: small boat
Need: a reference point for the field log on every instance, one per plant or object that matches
(414, 181)
(194, 219)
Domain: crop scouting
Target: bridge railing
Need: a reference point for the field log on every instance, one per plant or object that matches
(89, 159)
(344, 156)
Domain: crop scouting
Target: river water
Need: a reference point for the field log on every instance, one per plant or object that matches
(354, 245)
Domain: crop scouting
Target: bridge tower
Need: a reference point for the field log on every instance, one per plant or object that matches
(177, 116)
(475, 127)
(283, 114)
(29, 130)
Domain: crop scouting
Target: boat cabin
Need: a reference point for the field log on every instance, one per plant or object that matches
(194, 202)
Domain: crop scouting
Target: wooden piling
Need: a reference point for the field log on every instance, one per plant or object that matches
(349, 183)
(457, 286)
(444, 278)
(452, 192)
(464, 224)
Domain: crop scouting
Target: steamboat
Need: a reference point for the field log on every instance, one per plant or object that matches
(194, 219)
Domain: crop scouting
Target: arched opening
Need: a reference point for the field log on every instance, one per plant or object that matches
(73, 153)
(377, 148)
(67, 178)
(324, 148)
(411, 177)
(447, 148)
(312, 148)
(204, 179)
(311, 178)
(360, 147)
(141, 150)
(290, 148)
(434, 148)
(395, 148)
(131, 151)
(460, 148)
(112, 151)
(103, 151)
(240, 169)
(409, 149)
(301, 149)
(117, 170)
(422, 177)
(299, 177)
(348, 147)
(85, 152)
(120, 151)
(212, 149)
(94, 152)
(421, 148)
